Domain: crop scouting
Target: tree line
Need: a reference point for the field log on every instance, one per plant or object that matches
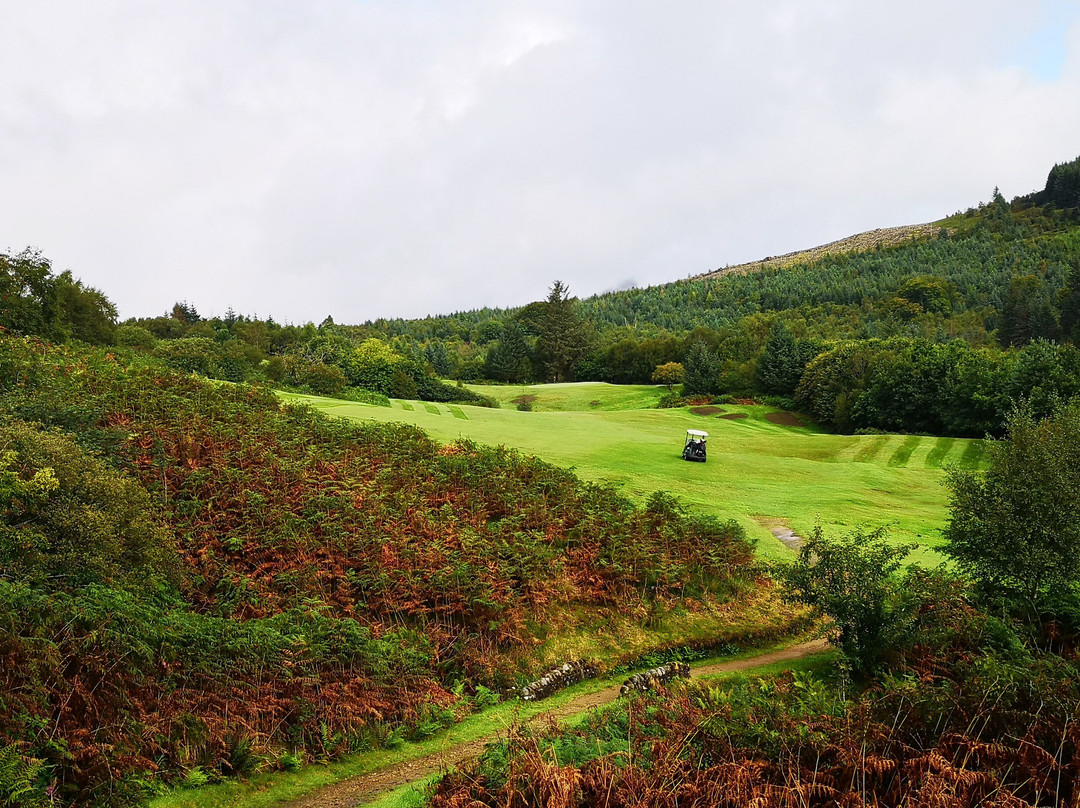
(940, 335)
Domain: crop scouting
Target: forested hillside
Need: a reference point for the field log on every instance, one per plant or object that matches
(958, 324)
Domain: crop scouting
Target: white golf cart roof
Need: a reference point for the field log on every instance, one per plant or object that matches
(697, 433)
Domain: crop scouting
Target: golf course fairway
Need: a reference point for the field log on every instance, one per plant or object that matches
(759, 472)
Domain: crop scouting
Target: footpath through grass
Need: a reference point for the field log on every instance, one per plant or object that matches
(758, 472)
(273, 789)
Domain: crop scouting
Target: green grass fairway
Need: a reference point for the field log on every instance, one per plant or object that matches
(757, 471)
(575, 396)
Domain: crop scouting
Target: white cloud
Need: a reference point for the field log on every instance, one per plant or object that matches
(395, 159)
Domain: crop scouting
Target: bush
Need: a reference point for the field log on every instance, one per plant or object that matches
(851, 580)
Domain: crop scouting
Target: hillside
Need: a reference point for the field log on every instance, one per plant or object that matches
(192, 574)
(764, 468)
(876, 239)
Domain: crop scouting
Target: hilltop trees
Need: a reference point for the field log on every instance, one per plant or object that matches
(1063, 185)
(56, 307)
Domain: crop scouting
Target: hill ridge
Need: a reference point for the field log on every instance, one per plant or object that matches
(860, 242)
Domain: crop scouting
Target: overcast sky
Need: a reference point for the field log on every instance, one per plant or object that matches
(299, 158)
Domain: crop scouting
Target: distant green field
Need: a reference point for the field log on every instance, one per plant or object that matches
(757, 471)
(576, 396)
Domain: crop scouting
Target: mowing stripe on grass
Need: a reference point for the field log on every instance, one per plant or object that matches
(903, 454)
(973, 455)
(405, 405)
(868, 452)
(431, 408)
(458, 413)
(942, 447)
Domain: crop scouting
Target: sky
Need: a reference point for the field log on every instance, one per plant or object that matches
(398, 158)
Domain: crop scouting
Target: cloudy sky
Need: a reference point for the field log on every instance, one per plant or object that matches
(400, 158)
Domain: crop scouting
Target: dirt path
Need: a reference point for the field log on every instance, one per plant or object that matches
(359, 790)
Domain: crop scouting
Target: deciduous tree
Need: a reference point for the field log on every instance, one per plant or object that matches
(853, 581)
(1015, 528)
(669, 373)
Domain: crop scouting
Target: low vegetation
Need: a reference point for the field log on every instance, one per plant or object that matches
(194, 577)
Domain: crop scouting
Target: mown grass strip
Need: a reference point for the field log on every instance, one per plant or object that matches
(411, 795)
(903, 454)
(973, 455)
(405, 405)
(873, 447)
(457, 412)
(937, 455)
(432, 408)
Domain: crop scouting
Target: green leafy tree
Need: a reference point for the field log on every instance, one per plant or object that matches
(852, 580)
(906, 389)
(312, 375)
(83, 312)
(1015, 528)
(375, 367)
(834, 380)
(135, 337)
(669, 374)
(563, 338)
(68, 520)
(1044, 374)
(27, 294)
(928, 292)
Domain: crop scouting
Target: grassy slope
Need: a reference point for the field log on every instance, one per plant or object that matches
(755, 468)
(575, 396)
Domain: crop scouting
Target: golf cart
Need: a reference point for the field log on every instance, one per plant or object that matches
(695, 445)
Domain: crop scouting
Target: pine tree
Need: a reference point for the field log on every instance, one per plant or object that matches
(564, 337)
(781, 365)
(702, 369)
(508, 359)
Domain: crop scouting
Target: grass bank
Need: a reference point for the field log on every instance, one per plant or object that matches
(759, 471)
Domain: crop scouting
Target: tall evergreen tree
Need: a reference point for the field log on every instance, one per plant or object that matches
(1026, 313)
(781, 364)
(563, 336)
(508, 359)
(702, 371)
